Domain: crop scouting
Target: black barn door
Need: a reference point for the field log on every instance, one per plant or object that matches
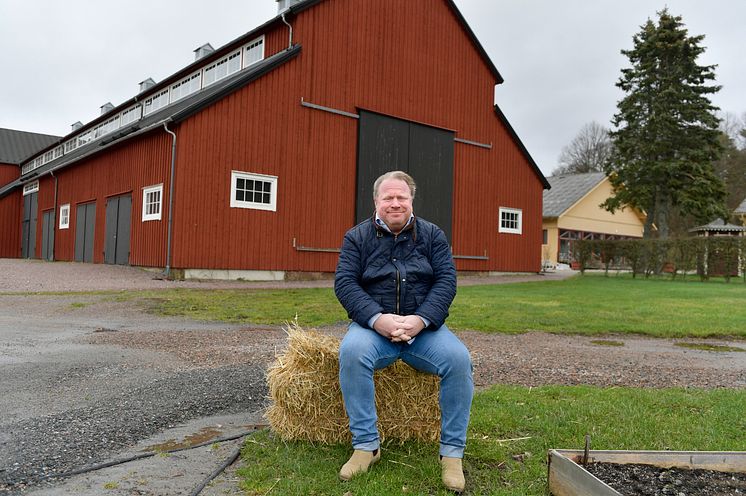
(47, 235)
(424, 152)
(28, 226)
(117, 244)
(85, 224)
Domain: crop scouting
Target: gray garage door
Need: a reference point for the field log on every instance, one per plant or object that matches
(28, 225)
(85, 226)
(424, 152)
(117, 245)
(47, 235)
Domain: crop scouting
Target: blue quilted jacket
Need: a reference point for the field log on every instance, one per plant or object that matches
(411, 273)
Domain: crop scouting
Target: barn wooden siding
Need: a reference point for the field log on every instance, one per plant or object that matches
(10, 224)
(410, 60)
(10, 214)
(9, 173)
(124, 169)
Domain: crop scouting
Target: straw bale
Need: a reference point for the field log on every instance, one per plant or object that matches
(306, 400)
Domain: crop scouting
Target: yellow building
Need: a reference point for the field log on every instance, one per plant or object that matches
(572, 211)
(741, 212)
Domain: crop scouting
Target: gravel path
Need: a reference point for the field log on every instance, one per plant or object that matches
(19, 275)
(86, 378)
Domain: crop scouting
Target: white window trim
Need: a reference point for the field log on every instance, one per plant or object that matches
(145, 191)
(261, 42)
(271, 206)
(185, 87)
(214, 67)
(161, 98)
(510, 230)
(65, 216)
(29, 188)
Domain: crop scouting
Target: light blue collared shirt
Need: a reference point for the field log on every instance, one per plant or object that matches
(382, 224)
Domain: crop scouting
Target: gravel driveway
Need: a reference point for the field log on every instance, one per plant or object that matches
(86, 379)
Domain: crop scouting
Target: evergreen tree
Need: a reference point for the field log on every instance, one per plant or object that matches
(666, 138)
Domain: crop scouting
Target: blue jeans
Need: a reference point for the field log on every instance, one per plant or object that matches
(438, 352)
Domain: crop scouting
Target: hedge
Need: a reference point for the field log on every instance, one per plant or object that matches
(705, 256)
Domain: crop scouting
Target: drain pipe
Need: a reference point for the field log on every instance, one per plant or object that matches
(167, 270)
(54, 214)
(290, 41)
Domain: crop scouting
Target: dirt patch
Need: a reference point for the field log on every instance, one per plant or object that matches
(648, 480)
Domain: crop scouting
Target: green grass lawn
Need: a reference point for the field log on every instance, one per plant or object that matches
(590, 304)
(593, 304)
(510, 432)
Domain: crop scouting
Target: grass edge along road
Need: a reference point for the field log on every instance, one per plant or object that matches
(511, 429)
(590, 304)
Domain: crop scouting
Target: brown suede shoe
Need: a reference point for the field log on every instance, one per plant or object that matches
(359, 463)
(452, 473)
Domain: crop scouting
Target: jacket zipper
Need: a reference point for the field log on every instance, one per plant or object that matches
(398, 277)
(397, 292)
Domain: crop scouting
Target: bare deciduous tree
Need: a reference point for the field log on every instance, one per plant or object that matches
(587, 152)
(735, 128)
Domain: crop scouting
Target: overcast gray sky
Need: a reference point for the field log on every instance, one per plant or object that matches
(61, 60)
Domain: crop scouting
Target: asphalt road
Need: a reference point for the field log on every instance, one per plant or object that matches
(67, 404)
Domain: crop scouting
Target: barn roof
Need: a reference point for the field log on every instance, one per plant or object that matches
(567, 190)
(741, 209)
(16, 146)
(175, 112)
(718, 225)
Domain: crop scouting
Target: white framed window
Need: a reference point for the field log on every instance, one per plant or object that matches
(253, 52)
(85, 138)
(253, 191)
(152, 199)
(155, 102)
(106, 127)
(71, 145)
(29, 188)
(222, 68)
(65, 216)
(511, 220)
(186, 87)
(132, 114)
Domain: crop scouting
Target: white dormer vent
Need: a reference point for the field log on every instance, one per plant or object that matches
(77, 125)
(203, 50)
(147, 84)
(106, 108)
(285, 4)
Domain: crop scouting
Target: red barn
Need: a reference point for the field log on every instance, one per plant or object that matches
(256, 158)
(15, 147)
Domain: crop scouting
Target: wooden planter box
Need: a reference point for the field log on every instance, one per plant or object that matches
(567, 477)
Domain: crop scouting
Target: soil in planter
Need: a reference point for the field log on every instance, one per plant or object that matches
(649, 480)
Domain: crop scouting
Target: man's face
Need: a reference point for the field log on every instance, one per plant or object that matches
(394, 203)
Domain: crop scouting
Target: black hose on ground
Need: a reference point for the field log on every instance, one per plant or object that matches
(228, 461)
(139, 456)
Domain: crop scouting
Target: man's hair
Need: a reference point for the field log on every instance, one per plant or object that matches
(395, 175)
